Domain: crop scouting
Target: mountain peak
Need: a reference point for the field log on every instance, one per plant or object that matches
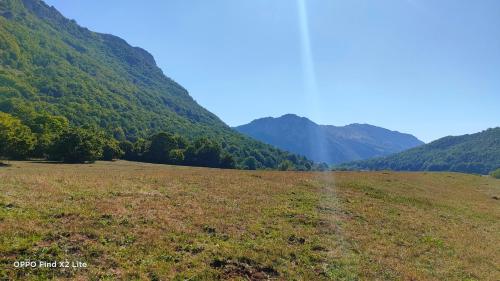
(327, 143)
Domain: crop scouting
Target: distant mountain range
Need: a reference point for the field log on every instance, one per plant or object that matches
(476, 153)
(325, 143)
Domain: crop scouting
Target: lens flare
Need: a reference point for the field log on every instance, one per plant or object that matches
(317, 147)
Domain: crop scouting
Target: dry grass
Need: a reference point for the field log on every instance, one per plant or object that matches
(136, 221)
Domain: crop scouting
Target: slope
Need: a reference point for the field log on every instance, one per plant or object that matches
(328, 144)
(475, 153)
(49, 63)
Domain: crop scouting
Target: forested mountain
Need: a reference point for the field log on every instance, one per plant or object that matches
(52, 65)
(477, 153)
(328, 144)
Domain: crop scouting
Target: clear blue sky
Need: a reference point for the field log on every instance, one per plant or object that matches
(426, 67)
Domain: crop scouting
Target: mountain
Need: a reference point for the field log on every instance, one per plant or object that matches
(324, 143)
(50, 64)
(477, 153)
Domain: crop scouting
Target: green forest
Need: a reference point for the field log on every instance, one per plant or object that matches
(42, 136)
(99, 83)
(476, 153)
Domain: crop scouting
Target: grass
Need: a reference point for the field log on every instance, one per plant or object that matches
(135, 221)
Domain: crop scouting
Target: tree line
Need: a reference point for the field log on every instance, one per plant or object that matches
(54, 139)
(44, 136)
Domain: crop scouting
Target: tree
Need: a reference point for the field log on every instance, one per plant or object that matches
(204, 153)
(119, 134)
(250, 163)
(176, 156)
(16, 140)
(140, 148)
(227, 161)
(47, 128)
(128, 150)
(160, 146)
(496, 174)
(78, 145)
(286, 165)
(112, 150)
(322, 167)
(208, 153)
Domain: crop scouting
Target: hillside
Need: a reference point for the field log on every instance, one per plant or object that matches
(50, 64)
(136, 221)
(476, 153)
(328, 144)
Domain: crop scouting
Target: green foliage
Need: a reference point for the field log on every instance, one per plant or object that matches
(205, 153)
(166, 148)
(177, 156)
(250, 163)
(16, 140)
(496, 174)
(112, 150)
(160, 147)
(322, 167)
(47, 129)
(50, 64)
(477, 153)
(77, 145)
(227, 161)
(286, 165)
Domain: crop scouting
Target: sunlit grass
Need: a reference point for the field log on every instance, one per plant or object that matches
(142, 221)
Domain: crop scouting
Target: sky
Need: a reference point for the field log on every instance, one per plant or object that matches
(426, 67)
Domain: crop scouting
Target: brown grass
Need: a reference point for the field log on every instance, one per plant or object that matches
(137, 221)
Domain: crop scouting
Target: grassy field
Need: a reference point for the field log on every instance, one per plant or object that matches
(132, 221)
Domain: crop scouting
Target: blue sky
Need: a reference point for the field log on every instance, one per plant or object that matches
(425, 67)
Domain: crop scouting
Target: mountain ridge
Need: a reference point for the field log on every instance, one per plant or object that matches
(342, 143)
(471, 153)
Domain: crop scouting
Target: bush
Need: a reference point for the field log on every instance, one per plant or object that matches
(496, 174)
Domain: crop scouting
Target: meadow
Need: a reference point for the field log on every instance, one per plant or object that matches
(137, 221)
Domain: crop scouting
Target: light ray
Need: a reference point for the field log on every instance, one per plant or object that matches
(311, 91)
(311, 86)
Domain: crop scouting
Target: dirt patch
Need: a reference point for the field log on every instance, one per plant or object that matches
(244, 267)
